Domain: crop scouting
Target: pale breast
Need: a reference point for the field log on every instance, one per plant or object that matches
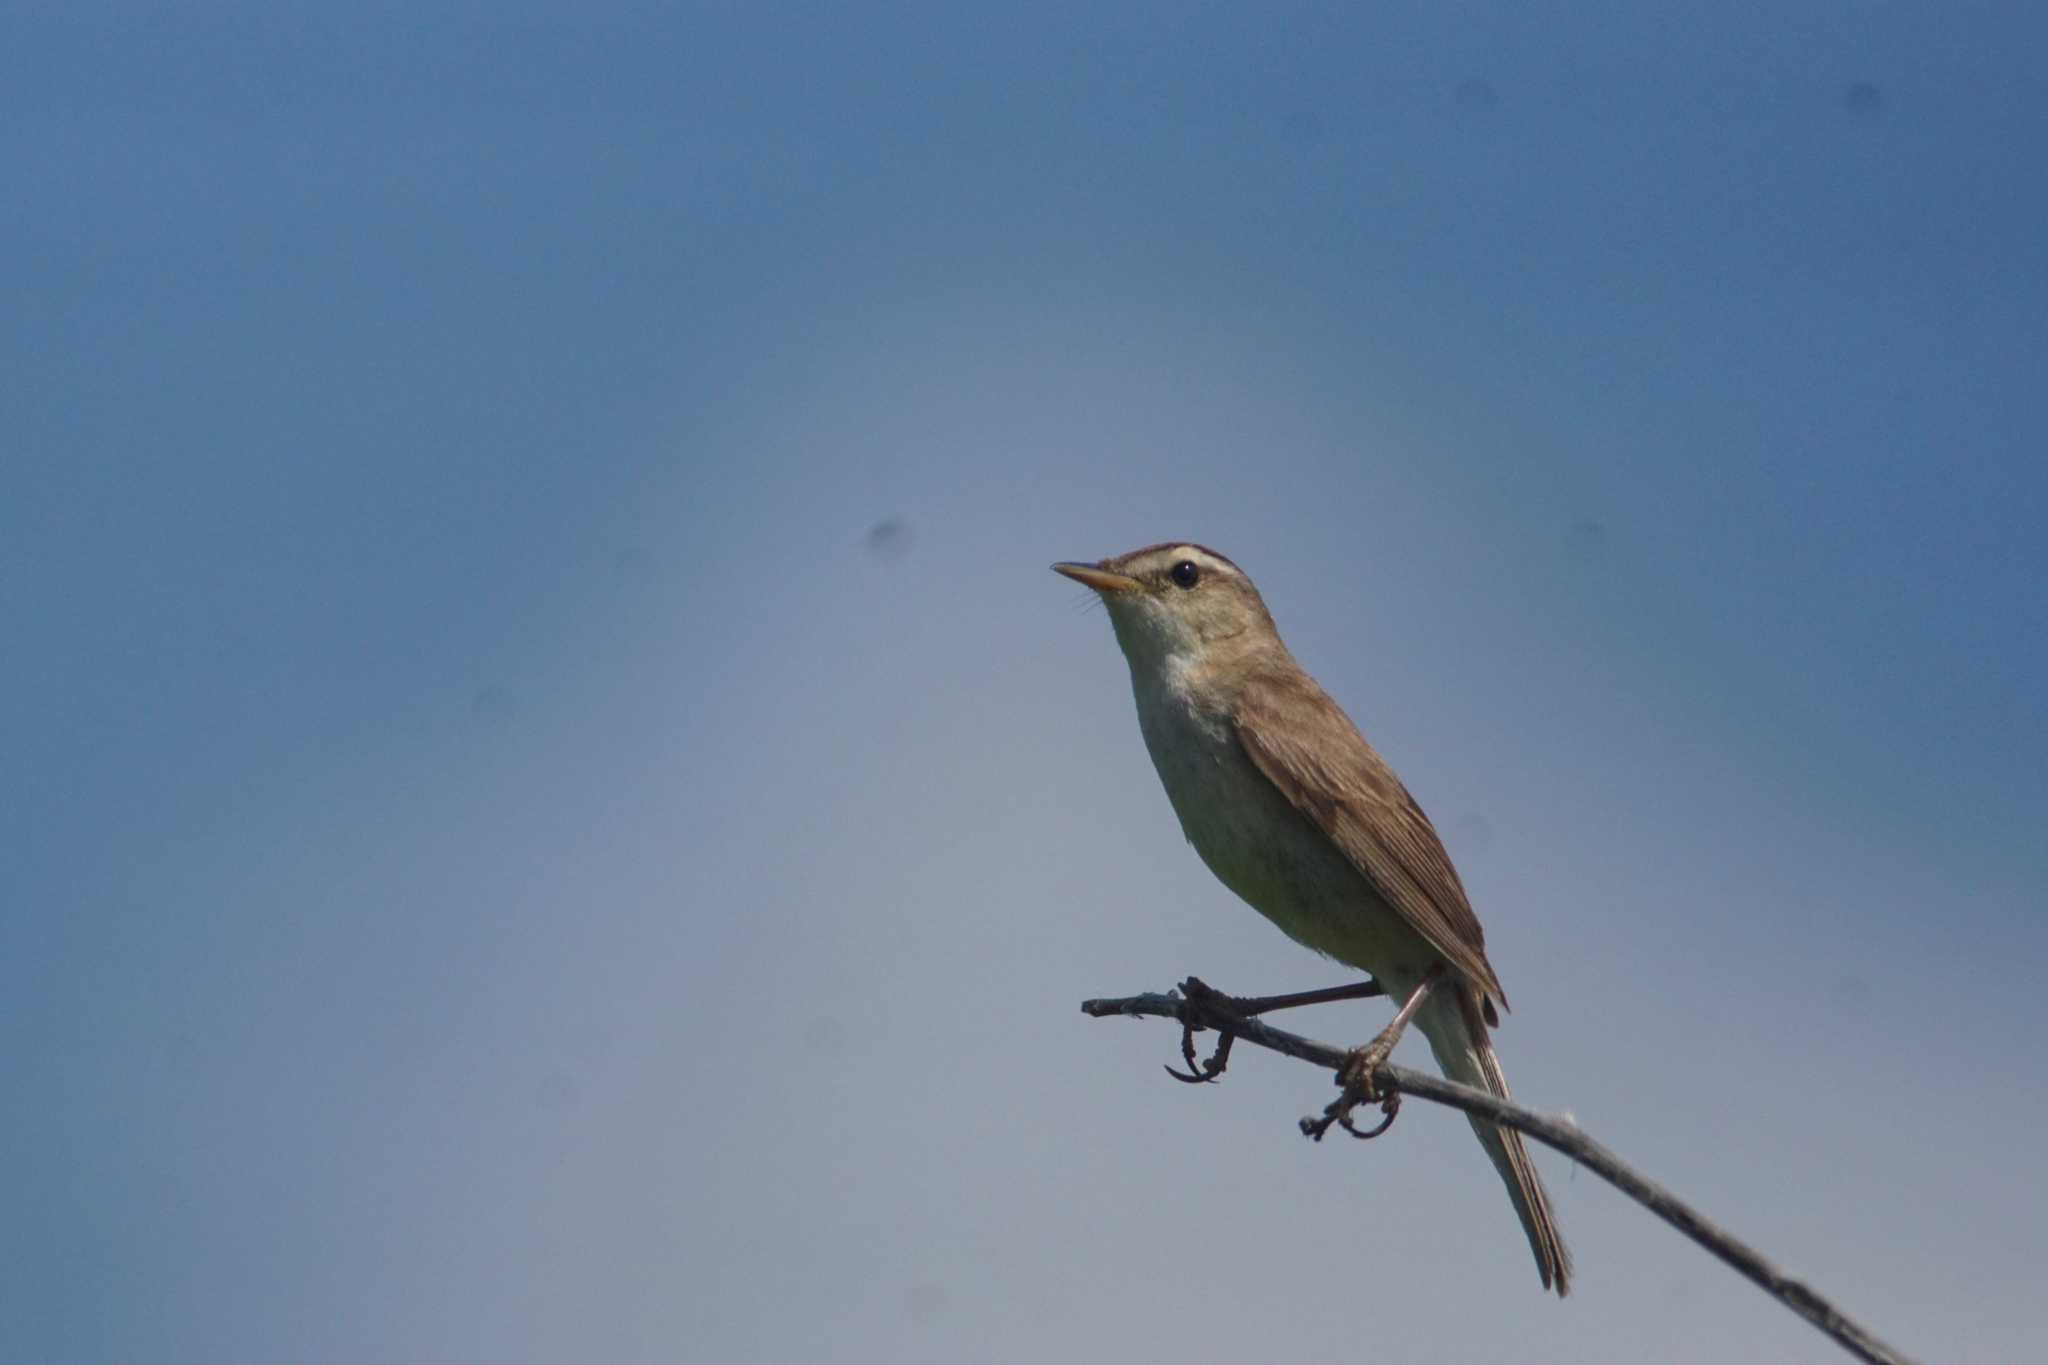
(1260, 847)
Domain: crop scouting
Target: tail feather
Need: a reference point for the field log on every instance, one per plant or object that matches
(1457, 1033)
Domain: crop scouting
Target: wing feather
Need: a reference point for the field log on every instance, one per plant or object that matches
(1309, 749)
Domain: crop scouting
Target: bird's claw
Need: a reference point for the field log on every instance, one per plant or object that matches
(1198, 992)
(1356, 1077)
(1199, 1073)
(1389, 1107)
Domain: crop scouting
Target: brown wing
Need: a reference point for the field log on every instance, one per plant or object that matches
(1308, 748)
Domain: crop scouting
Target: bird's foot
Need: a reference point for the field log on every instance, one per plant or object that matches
(1199, 993)
(1198, 1073)
(1357, 1077)
(1361, 1064)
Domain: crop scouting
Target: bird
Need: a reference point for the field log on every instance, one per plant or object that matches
(1294, 811)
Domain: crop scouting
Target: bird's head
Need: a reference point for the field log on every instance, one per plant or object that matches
(1177, 601)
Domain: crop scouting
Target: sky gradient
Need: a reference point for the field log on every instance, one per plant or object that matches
(552, 810)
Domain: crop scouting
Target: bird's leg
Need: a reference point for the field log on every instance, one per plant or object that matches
(1263, 1004)
(1359, 1068)
(1195, 989)
(1368, 1059)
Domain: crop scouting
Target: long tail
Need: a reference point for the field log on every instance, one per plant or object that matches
(1458, 1036)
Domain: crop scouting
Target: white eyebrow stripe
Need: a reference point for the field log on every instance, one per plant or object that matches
(1202, 558)
(1159, 558)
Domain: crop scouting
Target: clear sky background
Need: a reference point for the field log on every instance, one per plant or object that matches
(550, 809)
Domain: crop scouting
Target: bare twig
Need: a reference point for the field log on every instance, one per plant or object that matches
(1201, 1007)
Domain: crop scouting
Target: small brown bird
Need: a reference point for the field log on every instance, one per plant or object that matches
(1293, 810)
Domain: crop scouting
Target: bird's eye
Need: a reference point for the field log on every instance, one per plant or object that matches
(1186, 574)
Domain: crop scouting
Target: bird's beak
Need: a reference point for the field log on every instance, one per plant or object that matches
(1098, 578)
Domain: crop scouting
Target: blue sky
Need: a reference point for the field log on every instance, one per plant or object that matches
(553, 810)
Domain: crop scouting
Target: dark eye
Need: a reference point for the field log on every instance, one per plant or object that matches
(1186, 574)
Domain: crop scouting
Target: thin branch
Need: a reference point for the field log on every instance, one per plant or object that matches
(1202, 1008)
